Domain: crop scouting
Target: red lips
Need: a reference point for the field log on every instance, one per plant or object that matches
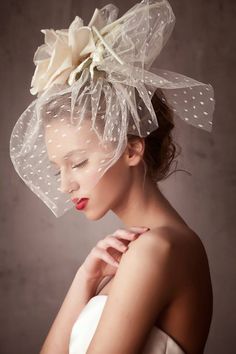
(77, 200)
(81, 204)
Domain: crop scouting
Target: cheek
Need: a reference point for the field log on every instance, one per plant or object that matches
(109, 186)
(87, 181)
(115, 181)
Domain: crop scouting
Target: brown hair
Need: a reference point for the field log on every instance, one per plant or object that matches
(160, 148)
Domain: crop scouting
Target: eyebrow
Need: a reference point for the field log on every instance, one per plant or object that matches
(69, 154)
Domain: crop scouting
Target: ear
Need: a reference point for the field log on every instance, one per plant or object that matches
(135, 150)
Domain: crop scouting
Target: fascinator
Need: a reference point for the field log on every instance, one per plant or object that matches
(94, 85)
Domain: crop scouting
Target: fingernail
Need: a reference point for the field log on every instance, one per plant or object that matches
(141, 227)
(139, 230)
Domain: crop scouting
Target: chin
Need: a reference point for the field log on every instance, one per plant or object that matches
(95, 215)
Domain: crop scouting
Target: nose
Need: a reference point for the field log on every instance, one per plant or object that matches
(67, 184)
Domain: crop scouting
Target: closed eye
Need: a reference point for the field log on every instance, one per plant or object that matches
(81, 164)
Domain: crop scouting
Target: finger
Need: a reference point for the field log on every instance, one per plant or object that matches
(126, 234)
(106, 257)
(116, 243)
(111, 241)
(139, 228)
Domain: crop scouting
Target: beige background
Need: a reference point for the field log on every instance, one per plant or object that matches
(40, 253)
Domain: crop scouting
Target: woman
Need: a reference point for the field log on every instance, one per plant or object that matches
(105, 141)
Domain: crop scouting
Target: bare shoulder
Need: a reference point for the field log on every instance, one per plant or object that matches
(177, 239)
(179, 245)
(181, 237)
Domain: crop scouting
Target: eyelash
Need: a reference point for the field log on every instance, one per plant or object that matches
(78, 165)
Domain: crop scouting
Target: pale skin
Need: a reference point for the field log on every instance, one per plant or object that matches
(168, 265)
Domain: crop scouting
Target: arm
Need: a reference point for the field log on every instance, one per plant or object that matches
(143, 285)
(79, 293)
(97, 264)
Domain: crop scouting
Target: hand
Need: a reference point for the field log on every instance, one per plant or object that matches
(99, 262)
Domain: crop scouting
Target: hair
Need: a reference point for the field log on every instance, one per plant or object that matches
(160, 148)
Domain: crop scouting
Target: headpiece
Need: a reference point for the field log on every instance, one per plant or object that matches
(98, 81)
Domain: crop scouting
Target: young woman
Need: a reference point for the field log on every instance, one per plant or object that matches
(99, 136)
(157, 280)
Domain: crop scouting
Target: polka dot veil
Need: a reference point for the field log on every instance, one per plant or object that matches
(94, 86)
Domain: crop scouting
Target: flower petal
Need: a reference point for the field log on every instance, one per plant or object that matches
(60, 52)
(90, 46)
(33, 91)
(43, 52)
(65, 66)
(97, 20)
(76, 23)
(60, 78)
(50, 37)
(63, 35)
(41, 68)
(78, 38)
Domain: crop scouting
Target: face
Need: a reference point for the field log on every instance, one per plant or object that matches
(80, 162)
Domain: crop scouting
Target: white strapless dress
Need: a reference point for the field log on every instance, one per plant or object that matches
(85, 326)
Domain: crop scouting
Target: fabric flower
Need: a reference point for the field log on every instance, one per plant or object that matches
(66, 52)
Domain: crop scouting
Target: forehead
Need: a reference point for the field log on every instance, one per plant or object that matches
(62, 137)
(62, 131)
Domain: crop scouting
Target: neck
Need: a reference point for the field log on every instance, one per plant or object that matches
(146, 206)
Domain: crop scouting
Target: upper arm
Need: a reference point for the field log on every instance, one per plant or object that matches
(140, 290)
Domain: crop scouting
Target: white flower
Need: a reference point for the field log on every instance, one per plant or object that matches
(66, 52)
